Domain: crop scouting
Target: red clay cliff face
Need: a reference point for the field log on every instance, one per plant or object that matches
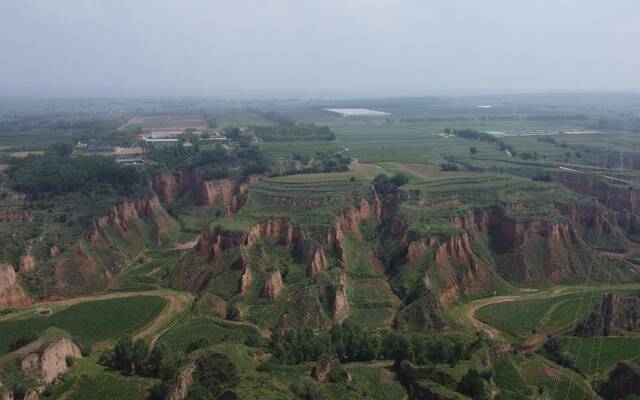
(340, 302)
(166, 186)
(450, 255)
(318, 262)
(546, 251)
(180, 387)
(215, 241)
(124, 216)
(614, 197)
(27, 263)
(11, 294)
(615, 315)
(538, 251)
(77, 273)
(208, 193)
(348, 221)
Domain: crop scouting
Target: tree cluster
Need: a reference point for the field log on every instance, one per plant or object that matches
(448, 167)
(52, 174)
(136, 357)
(474, 385)
(216, 163)
(292, 132)
(351, 343)
(556, 351)
(385, 185)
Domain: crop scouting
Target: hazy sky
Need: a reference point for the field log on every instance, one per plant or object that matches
(317, 47)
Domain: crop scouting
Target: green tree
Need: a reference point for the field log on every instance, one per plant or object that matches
(62, 149)
(123, 354)
(396, 347)
(473, 385)
(156, 357)
(140, 354)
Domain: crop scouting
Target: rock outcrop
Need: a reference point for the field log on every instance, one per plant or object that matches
(624, 381)
(27, 263)
(272, 286)
(328, 369)
(245, 281)
(180, 387)
(30, 395)
(50, 362)
(615, 315)
(11, 294)
(54, 251)
(340, 303)
(318, 262)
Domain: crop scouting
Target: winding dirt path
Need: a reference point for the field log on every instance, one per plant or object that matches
(534, 341)
(177, 304)
(470, 313)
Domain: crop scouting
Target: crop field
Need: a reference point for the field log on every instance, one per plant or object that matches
(557, 382)
(372, 144)
(600, 354)
(358, 171)
(510, 381)
(305, 148)
(170, 121)
(214, 330)
(91, 322)
(372, 383)
(550, 315)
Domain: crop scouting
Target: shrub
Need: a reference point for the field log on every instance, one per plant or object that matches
(70, 361)
(22, 341)
(307, 389)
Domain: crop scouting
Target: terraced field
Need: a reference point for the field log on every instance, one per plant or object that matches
(433, 202)
(303, 203)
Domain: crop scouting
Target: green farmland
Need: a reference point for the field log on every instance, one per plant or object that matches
(90, 322)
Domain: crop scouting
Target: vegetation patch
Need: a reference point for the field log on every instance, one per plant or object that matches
(89, 322)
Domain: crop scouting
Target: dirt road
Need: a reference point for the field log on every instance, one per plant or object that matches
(481, 326)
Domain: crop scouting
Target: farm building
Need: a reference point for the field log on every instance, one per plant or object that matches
(214, 139)
(164, 140)
(101, 149)
(43, 311)
(165, 134)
